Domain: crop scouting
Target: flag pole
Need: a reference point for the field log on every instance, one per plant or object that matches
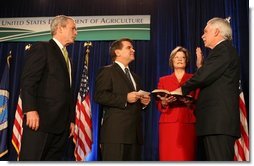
(87, 45)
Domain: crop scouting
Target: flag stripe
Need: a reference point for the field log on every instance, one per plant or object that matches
(242, 144)
(244, 137)
(238, 151)
(17, 128)
(86, 109)
(79, 151)
(85, 133)
(83, 136)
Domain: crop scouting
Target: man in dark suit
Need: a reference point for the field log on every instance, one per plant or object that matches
(217, 112)
(116, 90)
(46, 94)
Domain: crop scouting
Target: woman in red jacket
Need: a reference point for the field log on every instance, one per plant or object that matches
(177, 135)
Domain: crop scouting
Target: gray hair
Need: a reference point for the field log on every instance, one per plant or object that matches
(223, 25)
(60, 20)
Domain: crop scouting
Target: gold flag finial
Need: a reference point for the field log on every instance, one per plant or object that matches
(28, 46)
(8, 58)
(88, 44)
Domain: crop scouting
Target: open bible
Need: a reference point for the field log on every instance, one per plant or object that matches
(179, 99)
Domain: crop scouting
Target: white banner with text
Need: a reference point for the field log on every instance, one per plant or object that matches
(90, 28)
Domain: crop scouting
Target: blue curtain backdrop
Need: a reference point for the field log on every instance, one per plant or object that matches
(173, 23)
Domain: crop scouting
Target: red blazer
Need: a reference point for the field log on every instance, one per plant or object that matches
(175, 114)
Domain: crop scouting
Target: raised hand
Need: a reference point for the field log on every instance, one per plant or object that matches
(199, 55)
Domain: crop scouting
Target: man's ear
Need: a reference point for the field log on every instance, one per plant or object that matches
(59, 29)
(217, 32)
(117, 52)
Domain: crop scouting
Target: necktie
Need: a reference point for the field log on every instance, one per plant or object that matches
(127, 72)
(65, 54)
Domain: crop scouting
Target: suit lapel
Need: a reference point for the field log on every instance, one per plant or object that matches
(136, 79)
(121, 72)
(59, 55)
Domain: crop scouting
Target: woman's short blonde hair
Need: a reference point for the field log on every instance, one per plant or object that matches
(173, 53)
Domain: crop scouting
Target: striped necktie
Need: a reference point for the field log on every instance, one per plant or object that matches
(127, 72)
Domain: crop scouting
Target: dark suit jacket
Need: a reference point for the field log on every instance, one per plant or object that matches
(45, 87)
(121, 123)
(218, 103)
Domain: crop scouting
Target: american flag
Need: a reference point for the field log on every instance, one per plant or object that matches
(83, 122)
(17, 127)
(242, 144)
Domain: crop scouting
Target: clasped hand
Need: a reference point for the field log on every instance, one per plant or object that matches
(166, 99)
(132, 97)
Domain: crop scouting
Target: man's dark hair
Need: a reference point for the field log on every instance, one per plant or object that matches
(117, 45)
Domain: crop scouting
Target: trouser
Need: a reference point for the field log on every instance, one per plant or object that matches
(218, 147)
(42, 146)
(121, 152)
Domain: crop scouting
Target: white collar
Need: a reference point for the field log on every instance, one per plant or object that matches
(58, 43)
(121, 65)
